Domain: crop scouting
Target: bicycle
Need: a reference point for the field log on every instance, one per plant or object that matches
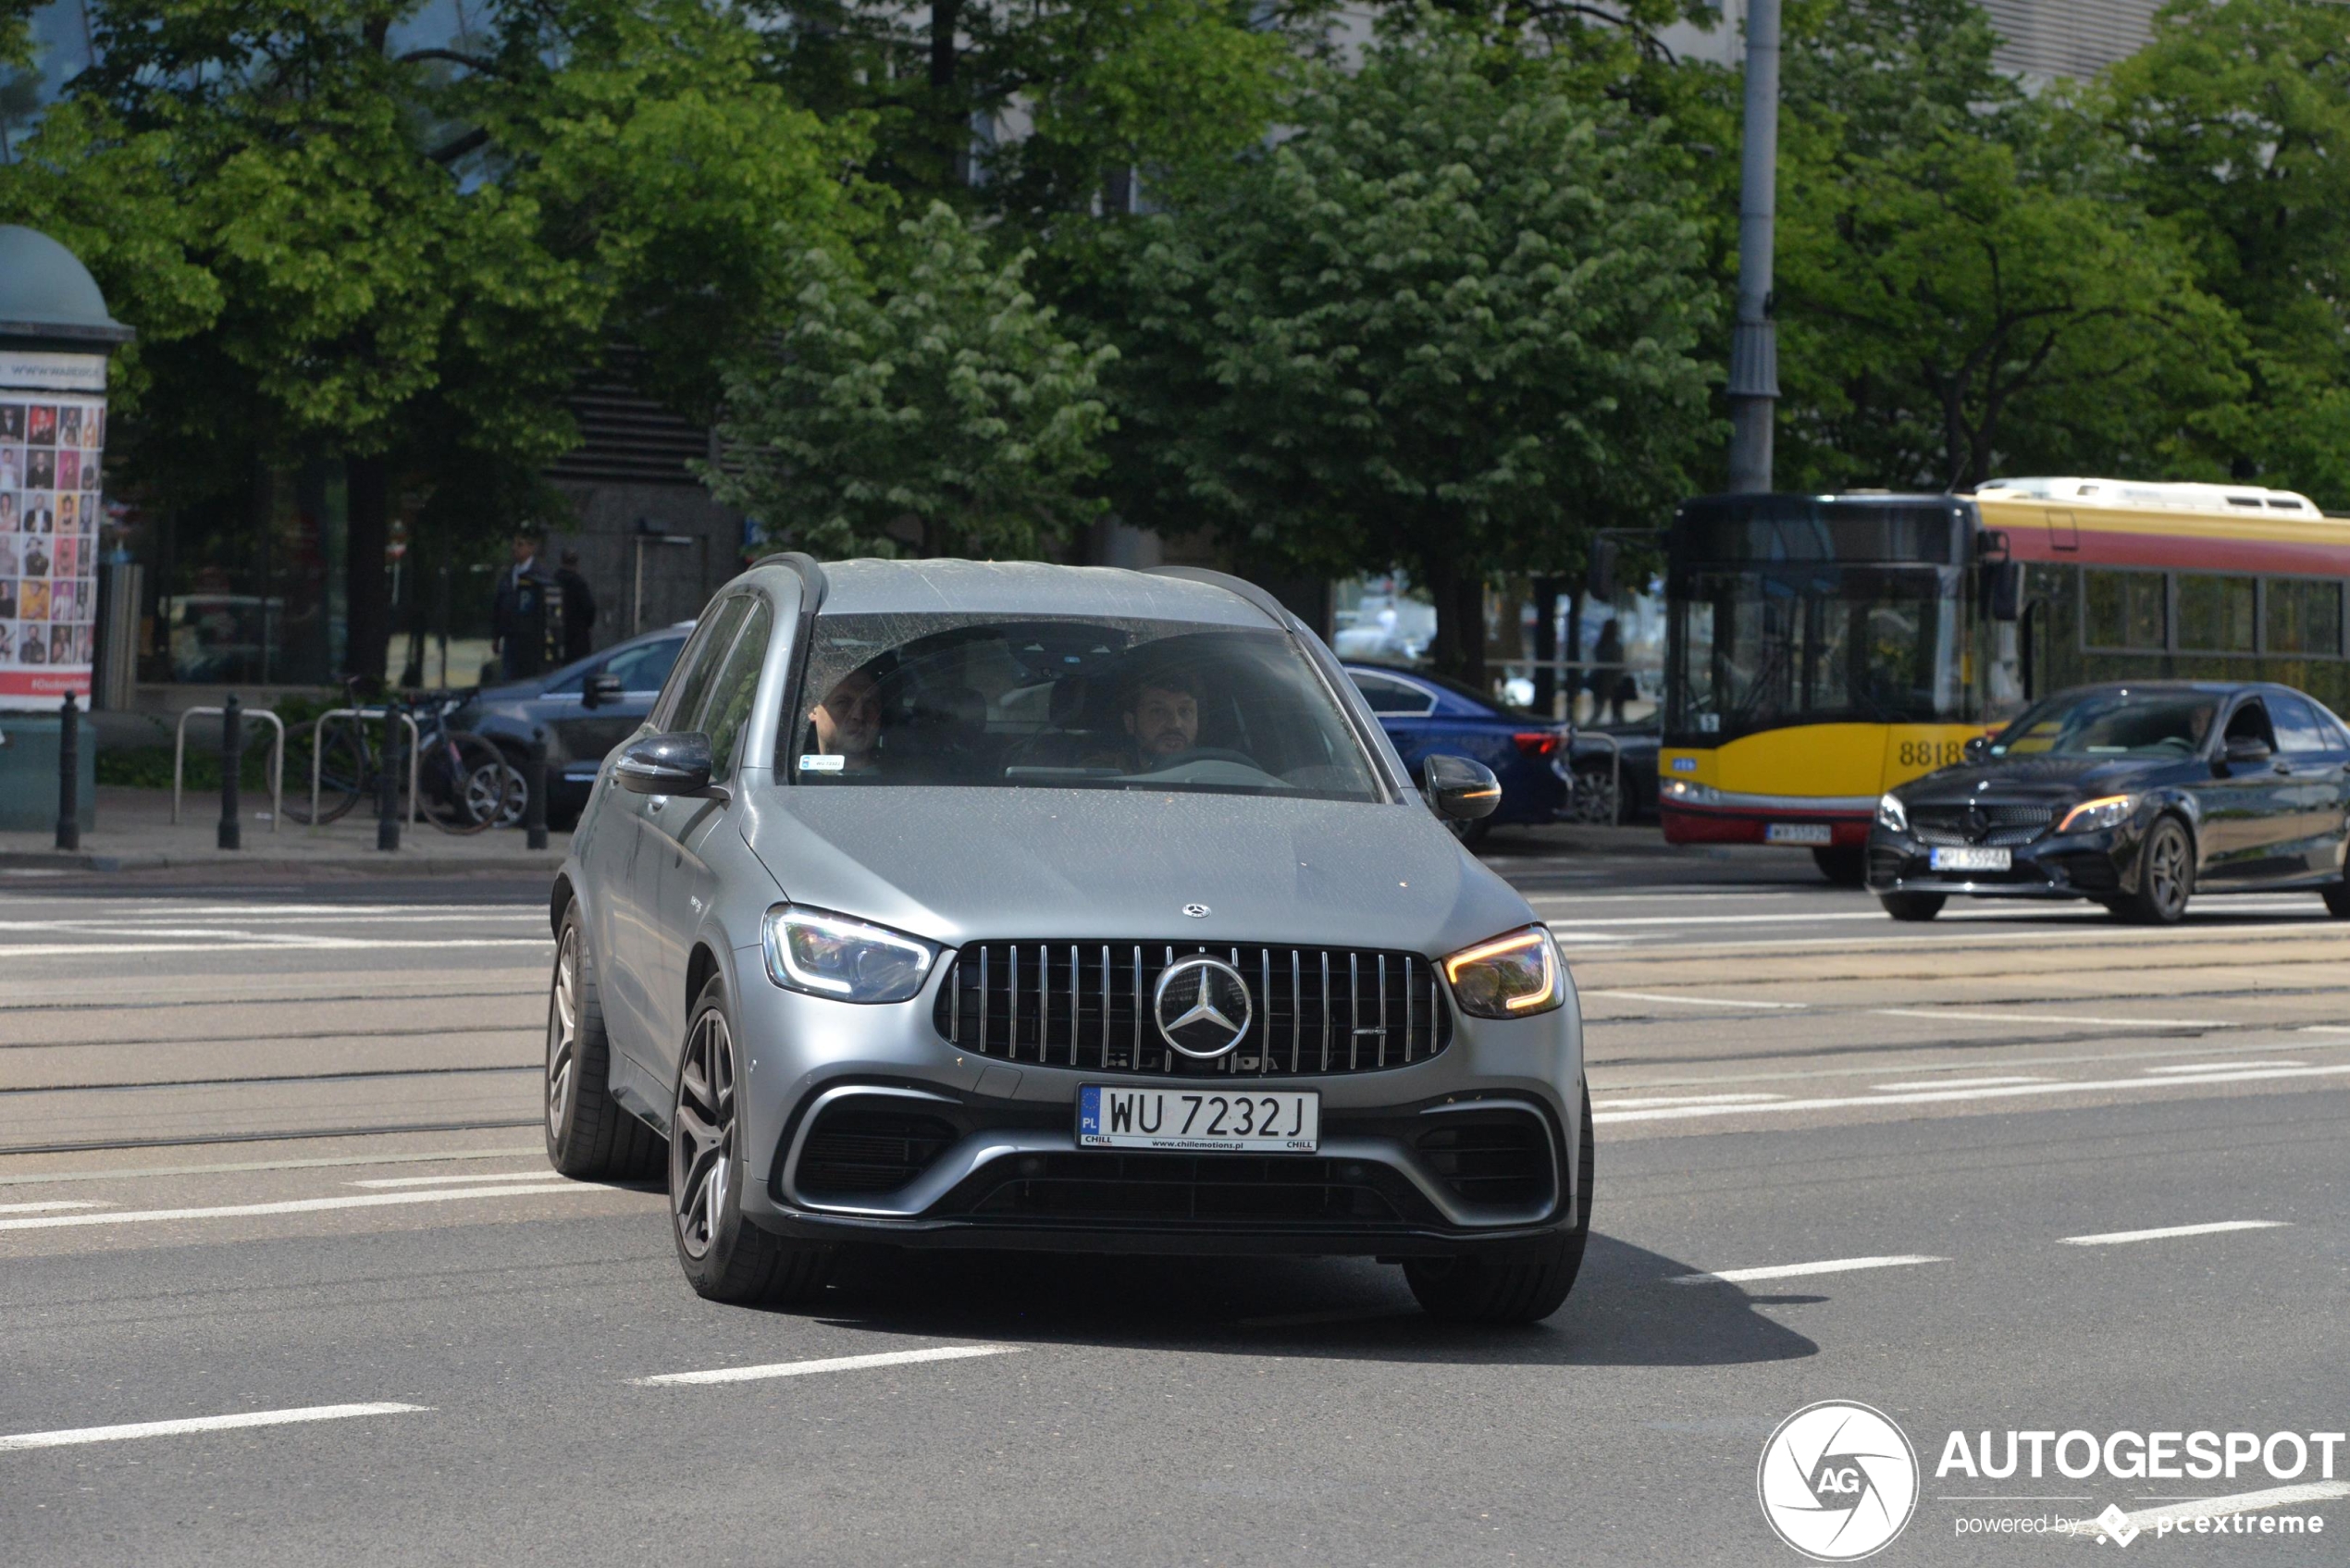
(465, 784)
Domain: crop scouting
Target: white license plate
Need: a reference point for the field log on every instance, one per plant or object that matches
(1799, 832)
(1202, 1120)
(1970, 859)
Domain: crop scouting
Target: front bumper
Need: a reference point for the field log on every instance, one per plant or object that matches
(988, 1148)
(1798, 823)
(2081, 865)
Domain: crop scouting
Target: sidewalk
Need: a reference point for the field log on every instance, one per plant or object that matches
(134, 831)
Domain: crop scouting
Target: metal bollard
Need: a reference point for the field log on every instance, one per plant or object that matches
(69, 775)
(232, 765)
(534, 807)
(387, 783)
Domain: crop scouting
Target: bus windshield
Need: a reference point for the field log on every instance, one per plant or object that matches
(1764, 646)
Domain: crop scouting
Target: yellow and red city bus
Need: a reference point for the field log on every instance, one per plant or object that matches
(1820, 649)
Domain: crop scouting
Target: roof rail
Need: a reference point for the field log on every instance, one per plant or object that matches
(812, 572)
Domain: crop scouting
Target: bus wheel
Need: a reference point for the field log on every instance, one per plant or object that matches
(1913, 906)
(1842, 864)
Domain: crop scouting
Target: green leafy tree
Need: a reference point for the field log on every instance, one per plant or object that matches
(1964, 283)
(334, 246)
(933, 409)
(2237, 115)
(1453, 322)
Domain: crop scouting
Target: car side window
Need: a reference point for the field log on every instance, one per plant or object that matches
(644, 668)
(689, 682)
(1394, 698)
(732, 691)
(2250, 722)
(2298, 732)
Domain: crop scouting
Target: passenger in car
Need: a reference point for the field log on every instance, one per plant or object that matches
(848, 723)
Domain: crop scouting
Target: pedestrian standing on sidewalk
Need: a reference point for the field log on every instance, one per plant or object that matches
(518, 613)
(579, 610)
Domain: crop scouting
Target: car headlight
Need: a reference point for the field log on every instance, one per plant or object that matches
(2107, 811)
(1689, 792)
(1891, 814)
(827, 955)
(1509, 977)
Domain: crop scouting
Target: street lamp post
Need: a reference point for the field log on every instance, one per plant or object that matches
(1754, 349)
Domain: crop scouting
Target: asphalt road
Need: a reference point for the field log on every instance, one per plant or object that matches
(273, 1148)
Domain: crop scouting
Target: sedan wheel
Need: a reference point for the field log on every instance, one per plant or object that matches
(2166, 877)
(725, 1258)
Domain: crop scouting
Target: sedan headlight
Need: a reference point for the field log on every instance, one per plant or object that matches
(2107, 811)
(1891, 814)
(1509, 977)
(827, 955)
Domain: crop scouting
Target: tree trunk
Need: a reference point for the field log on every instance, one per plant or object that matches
(951, 126)
(1460, 619)
(366, 591)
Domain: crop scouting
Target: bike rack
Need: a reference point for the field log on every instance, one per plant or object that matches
(277, 760)
(318, 752)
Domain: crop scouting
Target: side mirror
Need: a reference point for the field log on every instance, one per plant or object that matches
(2003, 590)
(1458, 789)
(1976, 748)
(601, 689)
(678, 764)
(2247, 751)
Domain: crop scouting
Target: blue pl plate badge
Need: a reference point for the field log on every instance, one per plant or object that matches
(1089, 1112)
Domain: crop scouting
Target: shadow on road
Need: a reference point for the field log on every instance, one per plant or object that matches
(1622, 1312)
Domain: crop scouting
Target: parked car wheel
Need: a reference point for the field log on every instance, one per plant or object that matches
(2166, 876)
(725, 1258)
(1595, 793)
(588, 1136)
(1520, 1290)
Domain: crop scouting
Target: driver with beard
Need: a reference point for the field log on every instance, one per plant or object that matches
(1160, 711)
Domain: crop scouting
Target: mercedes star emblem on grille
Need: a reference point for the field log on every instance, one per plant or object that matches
(1196, 911)
(1202, 1008)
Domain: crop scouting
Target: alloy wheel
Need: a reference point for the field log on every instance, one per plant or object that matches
(563, 1032)
(701, 1142)
(2167, 869)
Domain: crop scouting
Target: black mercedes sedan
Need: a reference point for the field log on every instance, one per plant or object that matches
(2136, 796)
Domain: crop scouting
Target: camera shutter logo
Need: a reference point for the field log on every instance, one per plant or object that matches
(1838, 1481)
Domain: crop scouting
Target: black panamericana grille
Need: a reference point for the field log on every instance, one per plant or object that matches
(1088, 1004)
(1208, 1190)
(1982, 822)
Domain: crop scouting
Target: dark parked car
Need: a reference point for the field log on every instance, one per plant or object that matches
(2135, 796)
(1596, 778)
(586, 707)
(1426, 714)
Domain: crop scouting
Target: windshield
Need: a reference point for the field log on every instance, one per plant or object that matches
(1757, 650)
(1075, 703)
(2112, 723)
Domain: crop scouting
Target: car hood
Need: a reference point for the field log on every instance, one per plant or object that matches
(2037, 777)
(957, 865)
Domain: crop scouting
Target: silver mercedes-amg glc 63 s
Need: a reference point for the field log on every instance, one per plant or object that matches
(968, 904)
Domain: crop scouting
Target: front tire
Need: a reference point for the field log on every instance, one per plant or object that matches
(588, 1135)
(1913, 906)
(2166, 877)
(2337, 899)
(725, 1258)
(1520, 1290)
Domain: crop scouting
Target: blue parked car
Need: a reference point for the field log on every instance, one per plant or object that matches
(1426, 714)
(585, 708)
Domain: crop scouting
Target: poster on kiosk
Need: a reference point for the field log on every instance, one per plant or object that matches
(53, 436)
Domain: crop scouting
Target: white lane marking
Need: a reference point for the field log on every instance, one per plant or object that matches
(834, 1363)
(43, 1177)
(1796, 1271)
(1928, 1097)
(1687, 1100)
(48, 1207)
(257, 945)
(1690, 1001)
(2116, 1238)
(457, 1180)
(293, 1205)
(2324, 1029)
(1972, 1016)
(2223, 1067)
(1779, 919)
(1952, 1083)
(72, 1436)
(2146, 1519)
